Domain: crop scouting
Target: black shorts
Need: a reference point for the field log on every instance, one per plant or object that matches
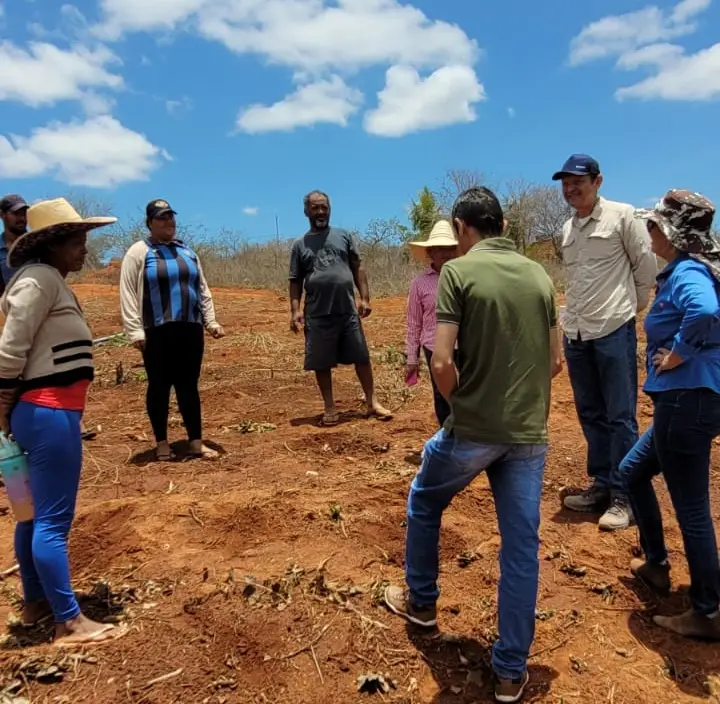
(332, 340)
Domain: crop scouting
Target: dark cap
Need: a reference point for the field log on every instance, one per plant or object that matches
(156, 208)
(578, 165)
(686, 219)
(12, 203)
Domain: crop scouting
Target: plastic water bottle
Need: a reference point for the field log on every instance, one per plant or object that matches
(16, 475)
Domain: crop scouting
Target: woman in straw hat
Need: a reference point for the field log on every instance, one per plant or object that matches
(439, 248)
(46, 366)
(683, 381)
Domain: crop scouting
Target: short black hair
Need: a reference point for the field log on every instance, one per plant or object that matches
(478, 207)
(306, 199)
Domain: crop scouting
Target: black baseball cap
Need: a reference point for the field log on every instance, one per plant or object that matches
(156, 208)
(578, 165)
(12, 203)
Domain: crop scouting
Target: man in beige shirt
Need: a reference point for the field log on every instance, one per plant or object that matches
(611, 273)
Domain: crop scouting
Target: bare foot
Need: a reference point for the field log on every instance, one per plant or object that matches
(35, 612)
(82, 631)
(375, 409)
(199, 449)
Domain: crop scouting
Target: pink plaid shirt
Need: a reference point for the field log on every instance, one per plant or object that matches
(421, 314)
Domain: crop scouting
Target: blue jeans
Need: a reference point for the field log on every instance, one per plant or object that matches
(678, 445)
(604, 378)
(52, 439)
(516, 479)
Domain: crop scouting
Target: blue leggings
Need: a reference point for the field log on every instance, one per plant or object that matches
(52, 439)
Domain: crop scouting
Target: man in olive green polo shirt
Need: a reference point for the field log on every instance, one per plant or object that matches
(499, 306)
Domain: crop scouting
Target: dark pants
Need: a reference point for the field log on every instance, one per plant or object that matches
(442, 407)
(678, 445)
(173, 357)
(604, 378)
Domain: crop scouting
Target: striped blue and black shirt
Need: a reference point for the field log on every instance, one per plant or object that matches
(171, 291)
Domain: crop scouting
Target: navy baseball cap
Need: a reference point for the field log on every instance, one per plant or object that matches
(12, 203)
(156, 208)
(578, 165)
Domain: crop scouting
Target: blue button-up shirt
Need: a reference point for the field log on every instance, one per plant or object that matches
(685, 317)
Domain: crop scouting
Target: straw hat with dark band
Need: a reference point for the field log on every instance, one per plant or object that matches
(48, 221)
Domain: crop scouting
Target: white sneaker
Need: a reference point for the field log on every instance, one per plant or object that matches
(618, 517)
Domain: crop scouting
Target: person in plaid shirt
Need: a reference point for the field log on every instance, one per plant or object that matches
(439, 248)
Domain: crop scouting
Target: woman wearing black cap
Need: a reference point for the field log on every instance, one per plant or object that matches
(165, 304)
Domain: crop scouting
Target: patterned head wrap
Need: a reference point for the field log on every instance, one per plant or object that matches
(686, 219)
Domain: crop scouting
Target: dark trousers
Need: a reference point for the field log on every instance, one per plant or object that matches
(442, 407)
(173, 357)
(604, 378)
(678, 445)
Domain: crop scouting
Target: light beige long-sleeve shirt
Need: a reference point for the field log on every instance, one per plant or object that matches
(610, 267)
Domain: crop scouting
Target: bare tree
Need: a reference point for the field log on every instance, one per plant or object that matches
(455, 182)
(550, 212)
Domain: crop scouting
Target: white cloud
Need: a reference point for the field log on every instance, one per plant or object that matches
(72, 25)
(617, 34)
(44, 74)
(694, 77)
(409, 103)
(251, 210)
(642, 41)
(120, 16)
(99, 153)
(177, 107)
(329, 101)
(322, 42)
(313, 35)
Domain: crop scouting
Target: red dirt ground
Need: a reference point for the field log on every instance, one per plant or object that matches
(255, 579)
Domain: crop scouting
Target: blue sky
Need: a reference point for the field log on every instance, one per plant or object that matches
(233, 109)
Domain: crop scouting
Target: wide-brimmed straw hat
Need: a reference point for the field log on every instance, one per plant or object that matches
(49, 220)
(441, 235)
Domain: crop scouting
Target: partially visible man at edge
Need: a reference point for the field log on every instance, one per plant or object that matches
(13, 213)
(500, 308)
(326, 261)
(611, 272)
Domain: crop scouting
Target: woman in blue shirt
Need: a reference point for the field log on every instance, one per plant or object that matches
(166, 303)
(683, 381)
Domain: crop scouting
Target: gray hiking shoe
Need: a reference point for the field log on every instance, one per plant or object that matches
(593, 500)
(617, 517)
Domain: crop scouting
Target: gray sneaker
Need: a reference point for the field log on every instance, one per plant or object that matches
(617, 517)
(593, 500)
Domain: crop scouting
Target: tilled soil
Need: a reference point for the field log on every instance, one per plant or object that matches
(257, 578)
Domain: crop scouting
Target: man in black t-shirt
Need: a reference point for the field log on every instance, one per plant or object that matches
(326, 263)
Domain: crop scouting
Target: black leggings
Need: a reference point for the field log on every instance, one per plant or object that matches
(173, 357)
